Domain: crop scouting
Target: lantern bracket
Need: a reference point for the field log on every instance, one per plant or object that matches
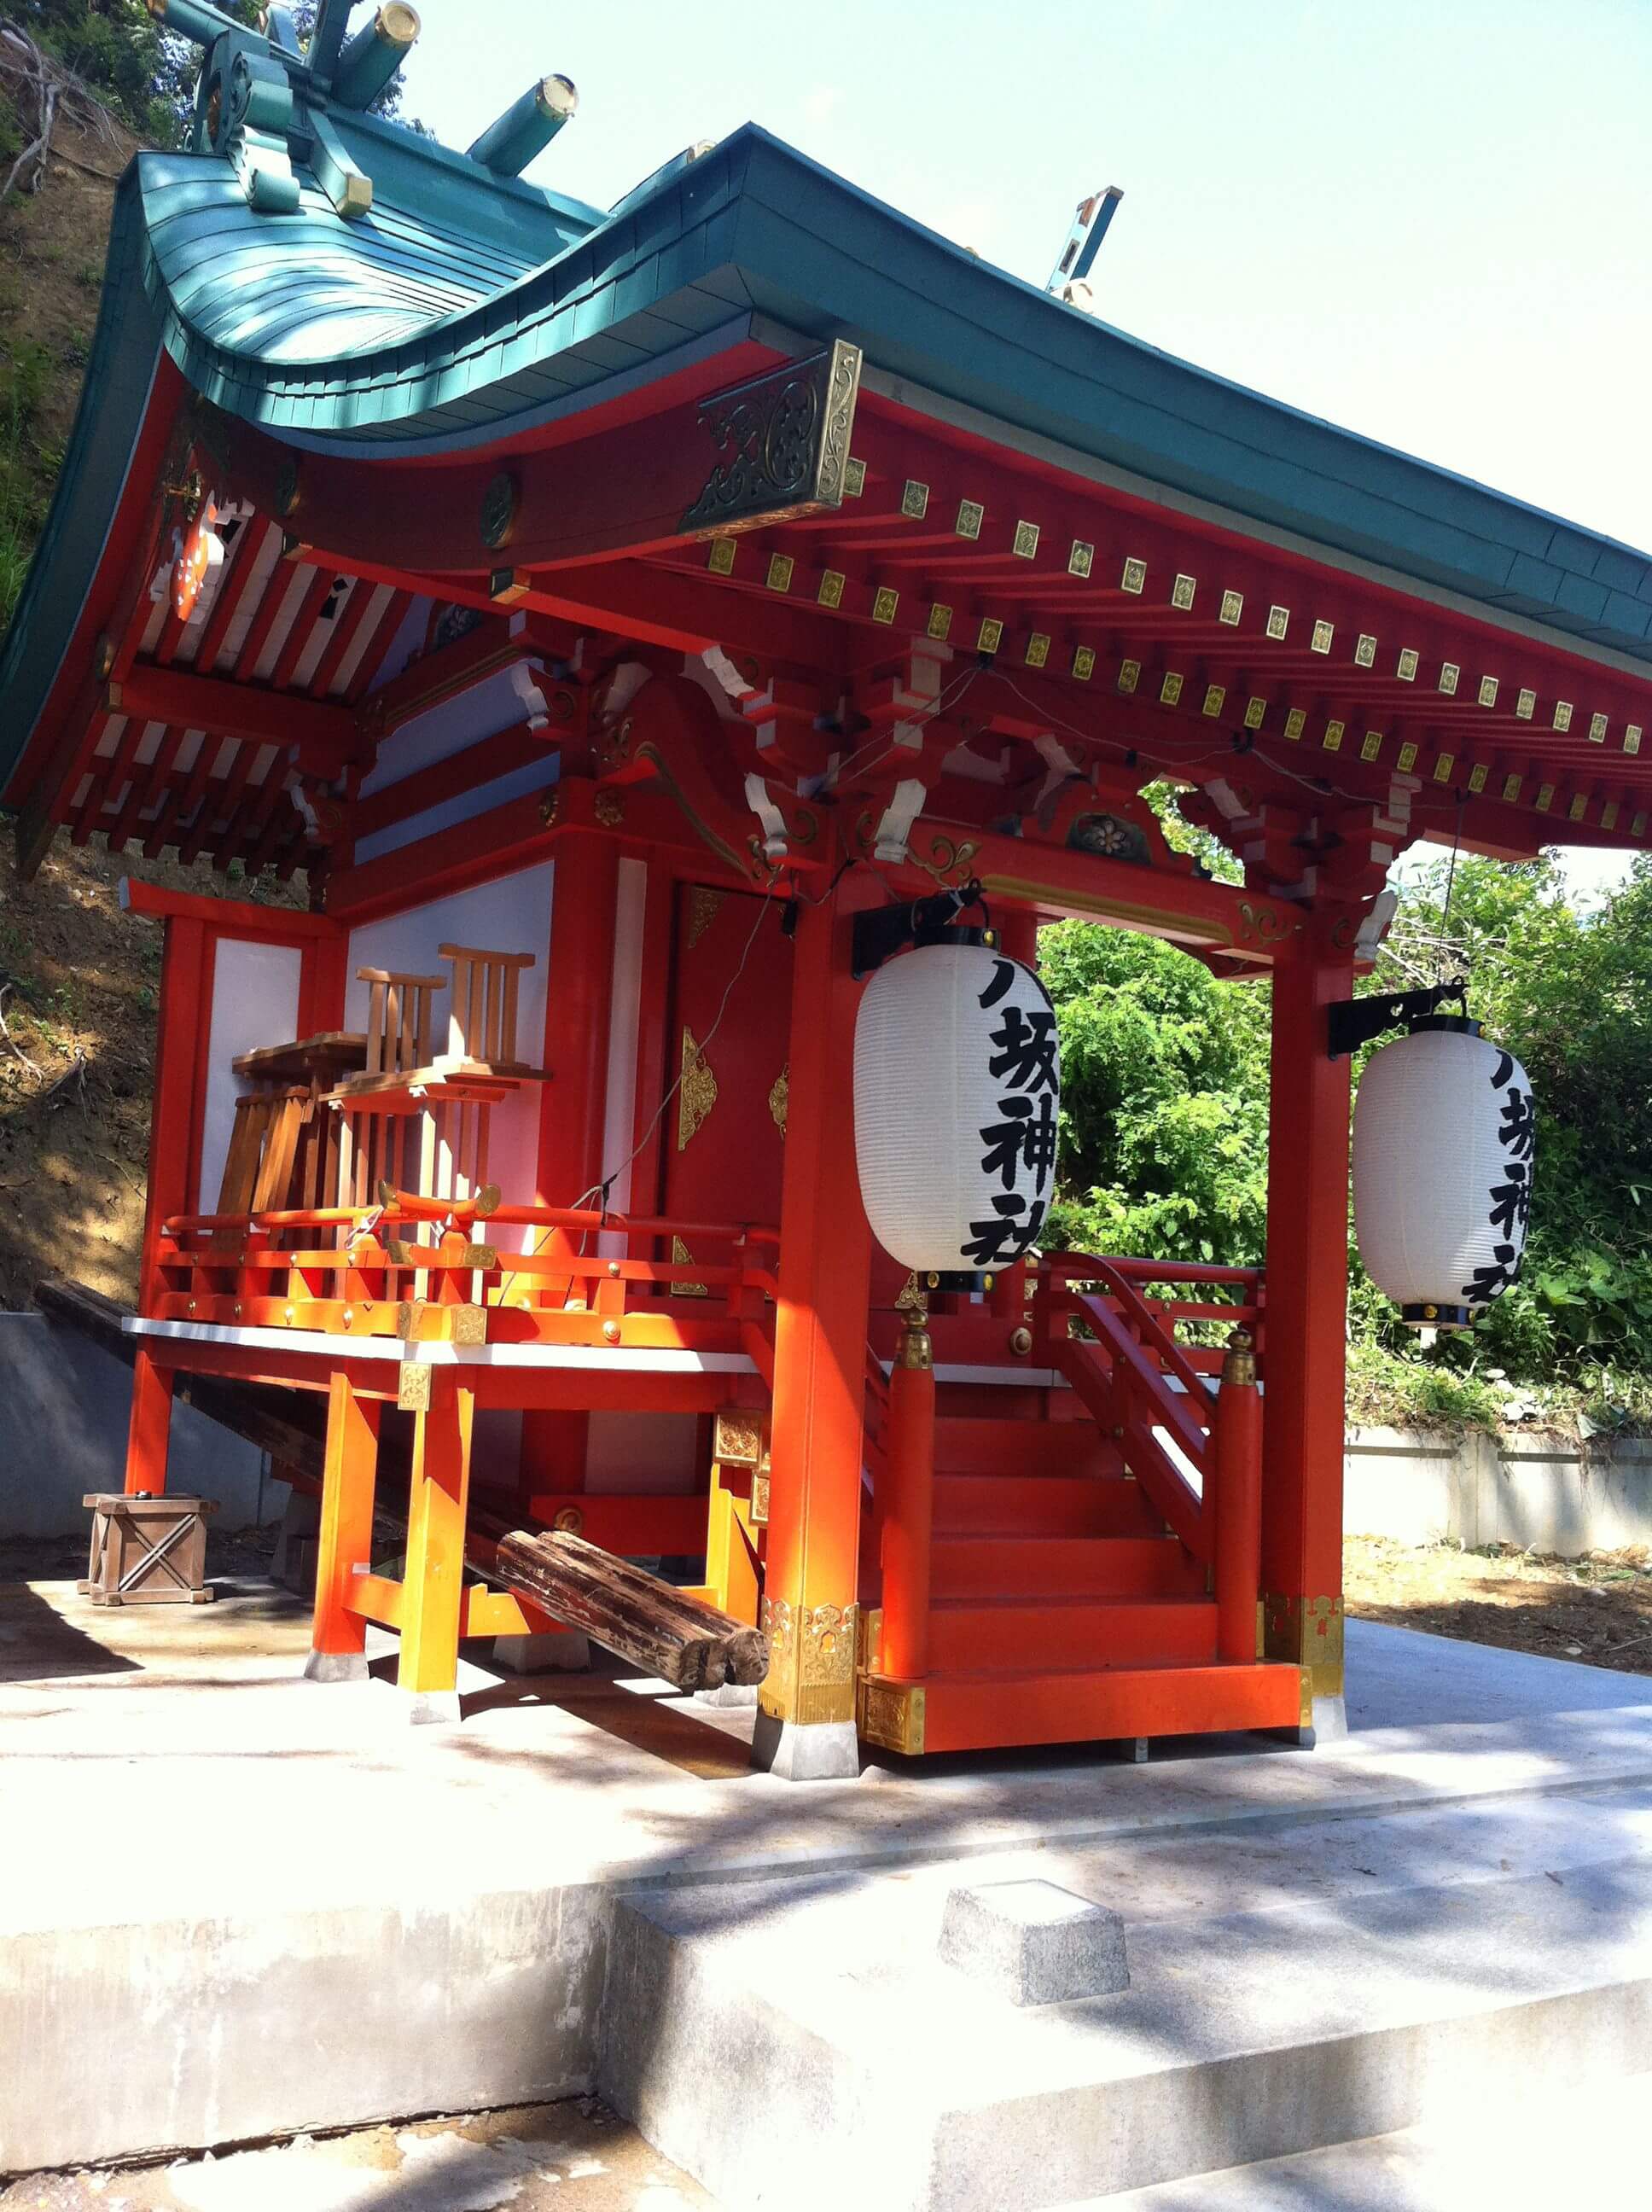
(1355, 1022)
(882, 932)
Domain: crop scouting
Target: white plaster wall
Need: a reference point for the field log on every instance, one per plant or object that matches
(254, 1002)
(512, 914)
(625, 1001)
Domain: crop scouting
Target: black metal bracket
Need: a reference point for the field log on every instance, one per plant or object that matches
(884, 931)
(1355, 1022)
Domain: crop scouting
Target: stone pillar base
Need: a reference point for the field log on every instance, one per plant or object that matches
(556, 1651)
(335, 1667)
(429, 1708)
(803, 1751)
(1330, 1720)
(729, 1693)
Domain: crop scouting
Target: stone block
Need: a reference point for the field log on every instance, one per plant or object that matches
(1034, 1943)
(556, 1651)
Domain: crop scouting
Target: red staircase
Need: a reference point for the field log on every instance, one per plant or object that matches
(1065, 1586)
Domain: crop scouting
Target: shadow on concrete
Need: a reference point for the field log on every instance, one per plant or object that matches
(37, 1644)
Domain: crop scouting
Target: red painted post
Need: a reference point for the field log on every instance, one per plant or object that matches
(1305, 1374)
(345, 1540)
(1236, 1497)
(909, 1511)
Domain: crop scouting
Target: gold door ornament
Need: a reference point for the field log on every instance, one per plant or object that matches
(779, 1098)
(697, 1091)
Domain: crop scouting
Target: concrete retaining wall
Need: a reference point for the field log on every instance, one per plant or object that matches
(1510, 1489)
(64, 1408)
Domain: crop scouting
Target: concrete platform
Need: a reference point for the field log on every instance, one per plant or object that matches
(239, 1904)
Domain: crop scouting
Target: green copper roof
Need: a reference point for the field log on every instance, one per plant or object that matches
(463, 308)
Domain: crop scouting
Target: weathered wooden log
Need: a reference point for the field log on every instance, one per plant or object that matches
(680, 1638)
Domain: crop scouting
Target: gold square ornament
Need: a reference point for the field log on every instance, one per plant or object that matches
(1129, 675)
(1084, 662)
(1510, 789)
(854, 477)
(780, 572)
(1633, 739)
(1562, 713)
(1609, 815)
(971, 515)
(1597, 729)
(1476, 776)
(1579, 808)
(1038, 649)
(1545, 798)
(1371, 745)
(1081, 559)
(1323, 633)
(1526, 705)
(1638, 826)
(939, 624)
(1183, 591)
(1170, 691)
(1449, 672)
(990, 636)
(884, 605)
(1135, 575)
(1279, 622)
(719, 557)
(914, 500)
(1214, 695)
(830, 593)
(1408, 759)
(1233, 606)
(1406, 667)
(1488, 691)
(1255, 711)
(1365, 650)
(1295, 721)
(1025, 545)
(1331, 741)
(1444, 766)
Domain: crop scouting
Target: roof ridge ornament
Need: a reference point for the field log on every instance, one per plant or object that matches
(1069, 277)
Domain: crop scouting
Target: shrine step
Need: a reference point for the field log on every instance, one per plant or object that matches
(1064, 1566)
(1043, 1505)
(966, 1446)
(983, 1709)
(1026, 1632)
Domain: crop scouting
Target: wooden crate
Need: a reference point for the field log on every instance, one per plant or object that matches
(147, 1551)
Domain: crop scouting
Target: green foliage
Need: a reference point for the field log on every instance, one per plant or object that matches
(120, 53)
(24, 369)
(1164, 1130)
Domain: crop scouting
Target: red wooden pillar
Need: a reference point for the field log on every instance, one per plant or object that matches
(806, 1706)
(585, 895)
(1304, 1352)
(183, 1020)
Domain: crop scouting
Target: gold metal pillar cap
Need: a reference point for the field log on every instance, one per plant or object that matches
(1240, 1364)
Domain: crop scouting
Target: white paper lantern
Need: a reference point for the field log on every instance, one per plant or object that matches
(1444, 1135)
(957, 1083)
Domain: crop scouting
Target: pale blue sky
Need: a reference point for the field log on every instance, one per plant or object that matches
(1427, 221)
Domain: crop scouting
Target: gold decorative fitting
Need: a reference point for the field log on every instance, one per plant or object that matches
(1170, 690)
(550, 808)
(1578, 808)
(1371, 745)
(1444, 766)
(1295, 721)
(1510, 789)
(1134, 577)
(697, 1091)
(609, 808)
(498, 516)
(1476, 776)
(1545, 797)
(760, 1492)
(812, 1661)
(1597, 729)
(1279, 622)
(915, 1352)
(682, 1257)
(1025, 543)
(1364, 650)
(1331, 741)
(1233, 606)
(1182, 592)
(1084, 662)
(737, 1439)
(704, 907)
(1021, 1340)
(971, 515)
(779, 1096)
(830, 593)
(939, 624)
(1306, 1632)
(719, 557)
(1038, 649)
(1633, 739)
(1406, 668)
(1214, 695)
(1239, 1361)
(1487, 693)
(1255, 711)
(1081, 558)
(1408, 759)
(610, 1332)
(1562, 713)
(469, 1325)
(885, 603)
(413, 1386)
(1320, 641)
(1609, 815)
(1638, 826)
(914, 500)
(1526, 705)
(854, 478)
(990, 636)
(891, 1716)
(569, 1519)
(779, 578)
(1450, 674)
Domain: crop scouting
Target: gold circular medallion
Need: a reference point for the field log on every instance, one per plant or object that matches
(498, 510)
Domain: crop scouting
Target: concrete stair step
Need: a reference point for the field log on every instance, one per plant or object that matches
(1066, 1566)
(1030, 1634)
(888, 2078)
(1043, 1505)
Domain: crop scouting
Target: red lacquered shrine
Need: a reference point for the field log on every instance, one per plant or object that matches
(606, 610)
